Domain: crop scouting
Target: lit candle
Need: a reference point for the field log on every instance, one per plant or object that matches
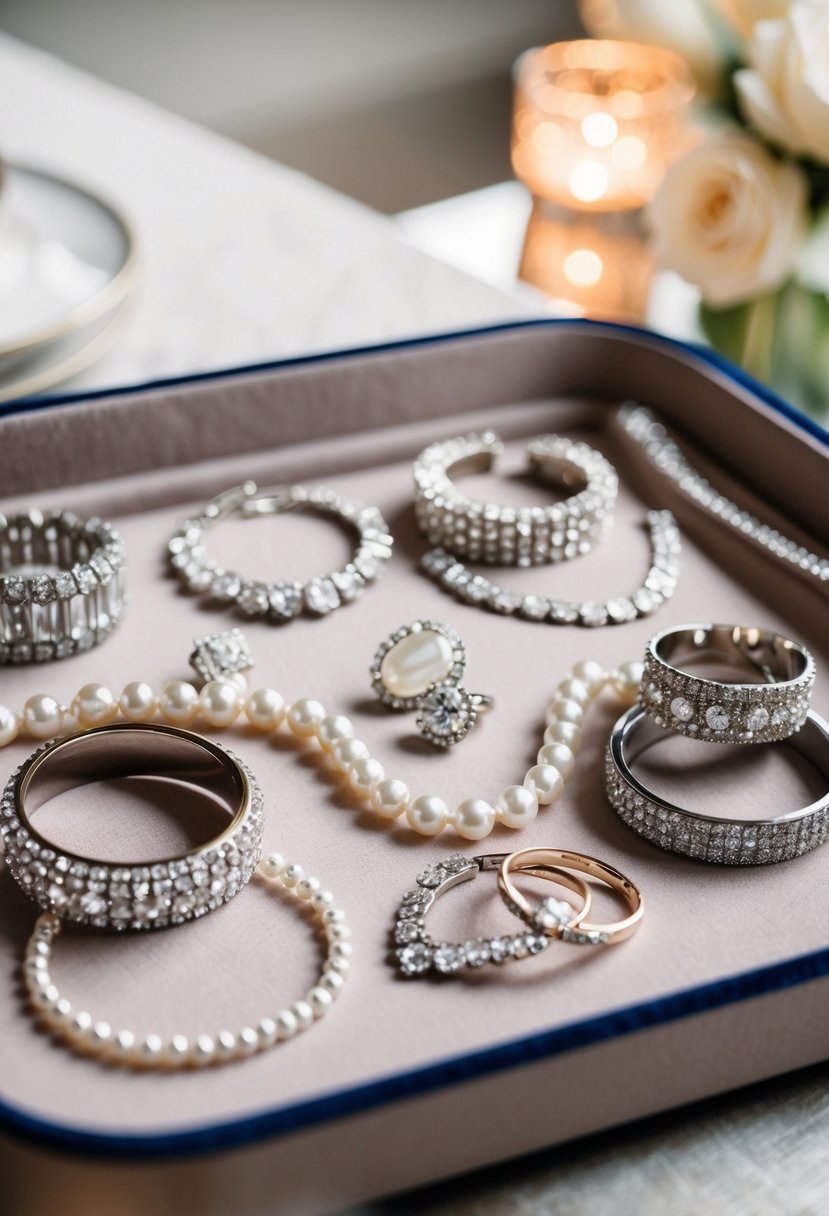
(596, 123)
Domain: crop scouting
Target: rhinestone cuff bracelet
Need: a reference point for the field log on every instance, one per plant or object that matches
(147, 895)
(719, 712)
(515, 536)
(741, 842)
(61, 585)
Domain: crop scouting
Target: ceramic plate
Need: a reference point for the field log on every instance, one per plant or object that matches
(66, 259)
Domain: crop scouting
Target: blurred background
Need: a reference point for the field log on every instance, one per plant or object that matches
(396, 104)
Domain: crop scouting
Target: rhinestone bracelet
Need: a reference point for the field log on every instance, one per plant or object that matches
(644, 429)
(61, 585)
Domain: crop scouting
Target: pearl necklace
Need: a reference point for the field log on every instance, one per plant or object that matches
(97, 1039)
(221, 702)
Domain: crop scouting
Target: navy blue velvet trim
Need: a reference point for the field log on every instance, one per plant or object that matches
(703, 353)
(452, 1071)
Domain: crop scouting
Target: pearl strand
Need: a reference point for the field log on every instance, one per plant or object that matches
(221, 702)
(97, 1039)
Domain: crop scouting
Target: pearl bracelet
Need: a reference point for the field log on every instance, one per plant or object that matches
(98, 1040)
(221, 702)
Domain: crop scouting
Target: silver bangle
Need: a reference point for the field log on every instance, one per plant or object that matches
(658, 585)
(728, 841)
(61, 585)
(515, 536)
(720, 712)
(125, 895)
(281, 602)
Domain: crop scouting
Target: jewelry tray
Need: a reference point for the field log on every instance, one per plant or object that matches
(407, 1081)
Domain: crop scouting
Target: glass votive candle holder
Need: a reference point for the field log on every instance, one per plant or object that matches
(597, 123)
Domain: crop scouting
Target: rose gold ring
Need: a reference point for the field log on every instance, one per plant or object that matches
(581, 932)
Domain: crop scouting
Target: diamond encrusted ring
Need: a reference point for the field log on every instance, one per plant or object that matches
(61, 585)
(417, 953)
(281, 602)
(720, 712)
(150, 894)
(419, 667)
(548, 916)
(743, 842)
(515, 536)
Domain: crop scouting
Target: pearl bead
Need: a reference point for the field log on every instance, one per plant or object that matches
(566, 711)
(320, 1000)
(473, 819)
(626, 681)
(178, 1049)
(338, 934)
(305, 716)
(179, 702)
(151, 1048)
(333, 916)
(138, 702)
(342, 966)
(238, 679)
(346, 752)
(265, 709)
(82, 1024)
(564, 732)
(272, 864)
(389, 797)
(8, 726)
(247, 1041)
(340, 949)
(220, 703)
(591, 673)
(364, 773)
(546, 782)
(286, 1024)
(303, 1013)
(225, 1045)
(290, 875)
(574, 690)
(322, 900)
(204, 1049)
(428, 814)
(123, 1042)
(307, 887)
(516, 806)
(332, 982)
(267, 1032)
(94, 705)
(42, 716)
(332, 729)
(559, 756)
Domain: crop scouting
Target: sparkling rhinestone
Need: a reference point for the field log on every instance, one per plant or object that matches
(65, 585)
(445, 712)
(500, 949)
(534, 607)
(253, 599)
(43, 589)
(432, 876)
(349, 584)
(321, 596)
(477, 952)
(780, 716)
(415, 958)
(717, 718)
(593, 614)
(681, 709)
(554, 914)
(93, 904)
(285, 600)
(225, 587)
(757, 718)
(448, 958)
(14, 590)
(406, 931)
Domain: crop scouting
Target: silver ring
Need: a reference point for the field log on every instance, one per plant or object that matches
(61, 585)
(728, 841)
(127, 895)
(720, 712)
(515, 536)
(281, 602)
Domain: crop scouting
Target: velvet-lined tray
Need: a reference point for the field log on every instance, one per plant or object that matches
(722, 985)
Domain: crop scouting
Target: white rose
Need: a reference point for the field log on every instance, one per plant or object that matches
(730, 218)
(785, 93)
(744, 14)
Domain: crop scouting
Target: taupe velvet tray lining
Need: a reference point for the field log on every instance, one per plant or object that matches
(703, 922)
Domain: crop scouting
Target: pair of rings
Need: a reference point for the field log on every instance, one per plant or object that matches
(417, 953)
(155, 893)
(282, 601)
(61, 585)
(419, 667)
(772, 708)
